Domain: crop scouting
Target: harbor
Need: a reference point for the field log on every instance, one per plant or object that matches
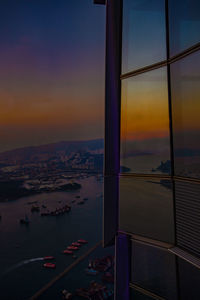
(74, 283)
(25, 246)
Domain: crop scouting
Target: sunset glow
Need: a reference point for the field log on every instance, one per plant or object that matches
(145, 107)
(52, 72)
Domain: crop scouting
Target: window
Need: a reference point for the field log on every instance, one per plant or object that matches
(185, 92)
(184, 24)
(146, 208)
(189, 281)
(143, 28)
(158, 272)
(145, 123)
(135, 295)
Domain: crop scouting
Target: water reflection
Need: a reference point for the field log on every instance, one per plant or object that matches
(146, 208)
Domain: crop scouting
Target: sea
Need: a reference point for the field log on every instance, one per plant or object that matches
(22, 247)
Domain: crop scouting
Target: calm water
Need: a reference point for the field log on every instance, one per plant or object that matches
(20, 275)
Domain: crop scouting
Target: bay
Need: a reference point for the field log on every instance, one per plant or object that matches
(22, 247)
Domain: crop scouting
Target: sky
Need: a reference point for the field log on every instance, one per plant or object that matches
(51, 71)
(145, 112)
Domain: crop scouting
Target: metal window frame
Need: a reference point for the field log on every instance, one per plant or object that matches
(112, 120)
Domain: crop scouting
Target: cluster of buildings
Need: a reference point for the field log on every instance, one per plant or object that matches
(51, 167)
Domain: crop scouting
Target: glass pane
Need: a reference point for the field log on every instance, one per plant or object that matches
(154, 270)
(144, 38)
(189, 278)
(187, 194)
(184, 24)
(145, 144)
(185, 77)
(135, 295)
(146, 208)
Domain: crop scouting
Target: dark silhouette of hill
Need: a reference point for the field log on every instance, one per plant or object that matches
(43, 152)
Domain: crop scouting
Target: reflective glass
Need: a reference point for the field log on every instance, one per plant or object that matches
(185, 90)
(154, 269)
(144, 38)
(145, 145)
(187, 194)
(189, 278)
(135, 295)
(184, 24)
(146, 208)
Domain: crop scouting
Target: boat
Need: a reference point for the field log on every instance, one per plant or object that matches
(76, 244)
(81, 241)
(57, 211)
(66, 295)
(49, 265)
(67, 252)
(72, 248)
(48, 257)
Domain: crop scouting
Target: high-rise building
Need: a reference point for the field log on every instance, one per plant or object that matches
(152, 147)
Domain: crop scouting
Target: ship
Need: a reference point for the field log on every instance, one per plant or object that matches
(66, 295)
(68, 251)
(49, 265)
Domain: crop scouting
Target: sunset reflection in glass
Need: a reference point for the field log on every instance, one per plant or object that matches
(145, 123)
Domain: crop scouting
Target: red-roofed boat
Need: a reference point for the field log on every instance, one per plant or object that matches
(76, 244)
(72, 248)
(82, 241)
(49, 265)
(68, 252)
(48, 257)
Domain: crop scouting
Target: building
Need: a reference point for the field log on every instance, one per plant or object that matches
(152, 130)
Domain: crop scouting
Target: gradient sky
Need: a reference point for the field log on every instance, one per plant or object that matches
(145, 106)
(51, 71)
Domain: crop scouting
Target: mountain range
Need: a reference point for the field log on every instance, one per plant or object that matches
(45, 152)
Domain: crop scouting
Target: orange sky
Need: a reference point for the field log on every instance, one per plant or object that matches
(145, 106)
(52, 72)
